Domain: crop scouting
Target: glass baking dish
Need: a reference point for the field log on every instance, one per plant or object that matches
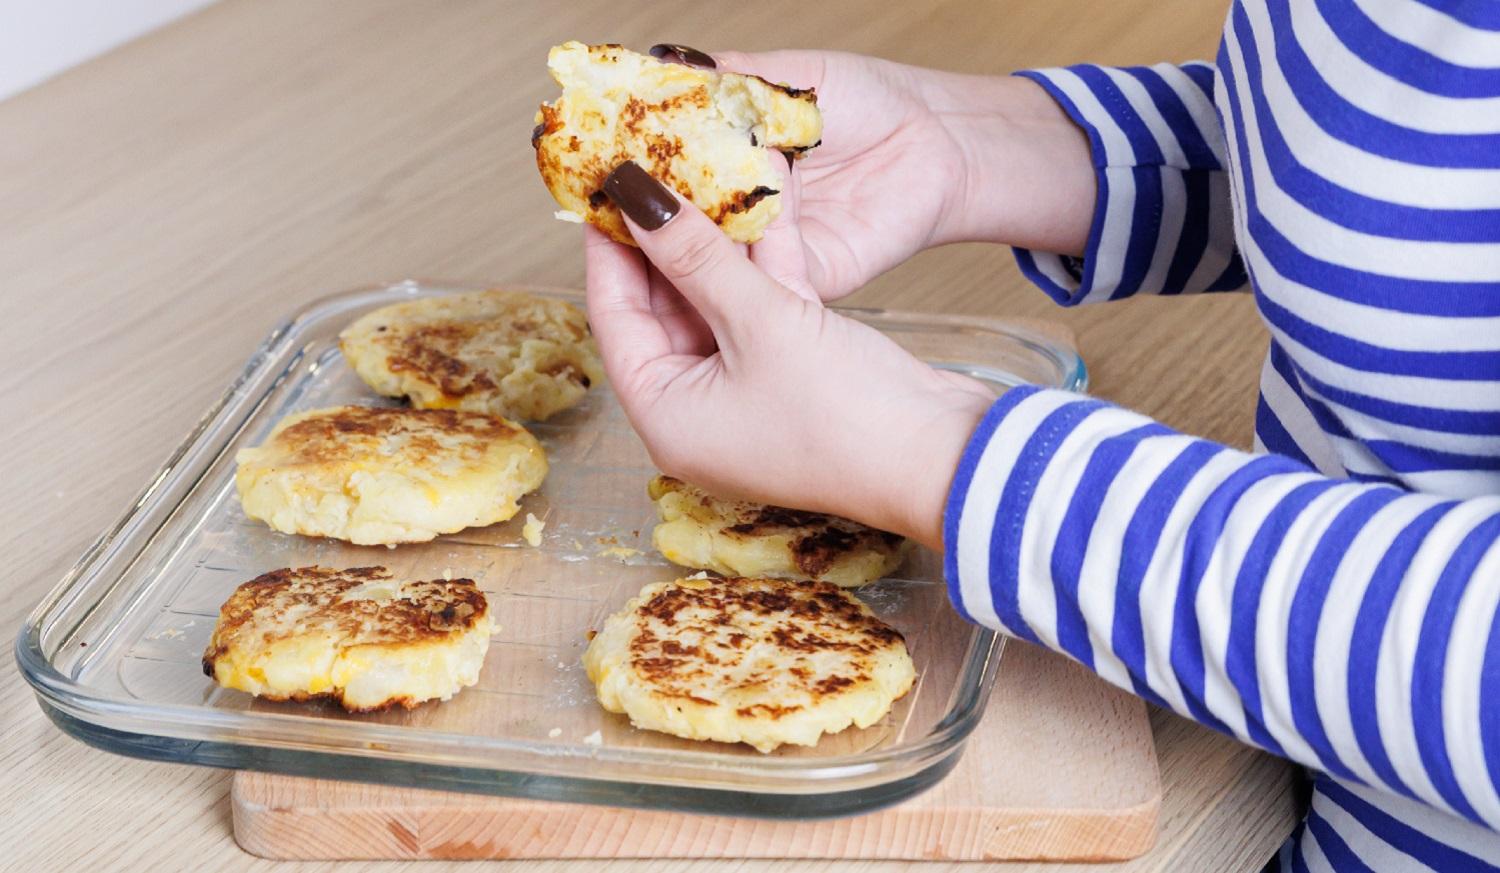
(114, 650)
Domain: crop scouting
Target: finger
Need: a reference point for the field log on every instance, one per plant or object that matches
(803, 67)
(694, 255)
(629, 333)
(676, 53)
(781, 252)
(686, 329)
(818, 239)
(689, 333)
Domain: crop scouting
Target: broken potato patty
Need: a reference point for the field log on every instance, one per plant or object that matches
(380, 476)
(501, 352)
(707, 135)
(358, 637)
(736, 538)
(764, 662)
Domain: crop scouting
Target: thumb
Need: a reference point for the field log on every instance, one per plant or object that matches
(781, 252)
(691, 252)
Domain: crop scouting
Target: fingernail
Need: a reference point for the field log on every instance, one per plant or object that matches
(645, 200)
(681, 54)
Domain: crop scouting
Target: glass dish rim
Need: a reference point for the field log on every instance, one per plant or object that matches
(61, 695)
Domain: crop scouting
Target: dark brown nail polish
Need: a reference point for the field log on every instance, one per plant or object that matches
(681, 54)
(646, 201)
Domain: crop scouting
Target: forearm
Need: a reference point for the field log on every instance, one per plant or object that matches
(1028, 178)
(1304, 614)
(1108, 182)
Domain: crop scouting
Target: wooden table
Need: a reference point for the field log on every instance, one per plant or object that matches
(162, 206)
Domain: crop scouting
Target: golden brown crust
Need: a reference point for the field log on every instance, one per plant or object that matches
(436, 352)
(796, 617)
(762, 662)
(816, 542)
(503, 352)
(569, 164)
(384, 475)
(706, 135)
(292, 602)
(759, 661)
(326, 438)
(427, 610)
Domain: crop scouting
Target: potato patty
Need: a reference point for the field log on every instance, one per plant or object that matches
(736, 538)
(505, 353)
(356, 636)
(708, 135)
(757, 661)
(383, 476)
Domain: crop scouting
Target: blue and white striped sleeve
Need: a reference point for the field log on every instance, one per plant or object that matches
(1163, 222)
(1349, 626)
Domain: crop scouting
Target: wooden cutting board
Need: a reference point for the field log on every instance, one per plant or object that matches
(1061, 768)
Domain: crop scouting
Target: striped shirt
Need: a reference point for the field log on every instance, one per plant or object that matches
(1333, 597)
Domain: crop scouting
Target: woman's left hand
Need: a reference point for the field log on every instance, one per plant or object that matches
(739, 380)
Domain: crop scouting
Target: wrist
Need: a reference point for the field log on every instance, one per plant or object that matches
(918, 490)
(1027, 177)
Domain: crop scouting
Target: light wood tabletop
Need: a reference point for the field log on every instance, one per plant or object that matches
(164, 205)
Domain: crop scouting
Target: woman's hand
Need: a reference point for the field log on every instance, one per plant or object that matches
(746, 385)
(913, 158)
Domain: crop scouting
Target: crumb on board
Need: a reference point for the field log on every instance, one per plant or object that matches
(531, 532)
(610, 540)
(554, 733)
(624, 553)
(594, 739)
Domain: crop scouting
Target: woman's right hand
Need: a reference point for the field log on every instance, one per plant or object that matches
(738, 380)
(913, 158)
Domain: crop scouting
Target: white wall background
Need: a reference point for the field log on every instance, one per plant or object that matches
(41, 38)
